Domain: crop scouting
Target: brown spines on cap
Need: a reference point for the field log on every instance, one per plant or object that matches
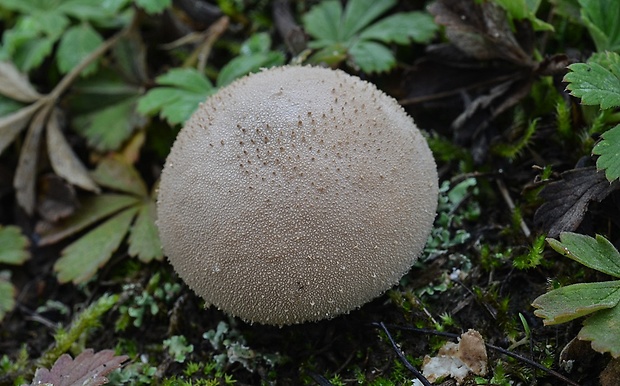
(296, 194)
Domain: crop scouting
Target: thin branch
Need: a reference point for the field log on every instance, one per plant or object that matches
(402, 357)
(492, 347)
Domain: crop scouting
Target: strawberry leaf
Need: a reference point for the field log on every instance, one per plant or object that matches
(598, 254)
(81, 259)
(13, 245)
(185, 89)
(609, 151)
(567, 303)
(603, 329)
(144, 240)
(596, 82)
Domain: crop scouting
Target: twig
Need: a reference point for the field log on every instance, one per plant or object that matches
(292, 34)
(495, 348)
(511, 205)
(66, 81)
(402, 358)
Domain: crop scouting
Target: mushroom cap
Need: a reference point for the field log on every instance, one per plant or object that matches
(296, 194)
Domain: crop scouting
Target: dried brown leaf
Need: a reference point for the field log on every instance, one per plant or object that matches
(566, 200)
(57, 199)
(25, 174)
(87, 369)
(12, 124)
(64, 161)
(480, 29)
(16, 85)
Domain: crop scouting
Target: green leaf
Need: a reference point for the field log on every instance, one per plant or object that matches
(323, 21)
(245, 64)
(154, 6)
(573, 301)
(143, 238)
(598, 254)
(601, 19)
(91, 9)
(7, 294)
(13, 245)
(372, 57)
(257, 44)
(81, 259)
(32, 53)
(76, 44)
(401, 28)
(116, 174)
(596, 82)
(358, 14)
(109, 127)
(188, 88)
(525, 10)
(609, 151)
(603, 329)
(92, 210)
(349, 31)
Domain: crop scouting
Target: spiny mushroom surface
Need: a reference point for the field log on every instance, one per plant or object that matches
(296, 194)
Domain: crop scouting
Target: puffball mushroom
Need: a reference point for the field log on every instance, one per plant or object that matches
(296, 194)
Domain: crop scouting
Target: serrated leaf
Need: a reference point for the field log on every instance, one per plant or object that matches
(87, 369)
(76, 44)
(188, 88)
(601, 19)
(64, 161)
(245, 64)
(16, 85)
(13, 245)
(358, 14)
(323, 21)
(90, 9)
(7, 294)
(112, 172)
(81, 259)
(92, 210)
(154, 6)
(12, 124)
(107, 128)
(372, 57)
(608, 150)
(567, 303)
(596, 82)
(402, 28)
(598, 254)
(143, 237)
(31, 54)
(603, 329)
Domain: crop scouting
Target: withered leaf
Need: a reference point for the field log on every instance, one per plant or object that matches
(16, 85)
(64, 161)
(566, 200)
(12, 124)
(114, 173)
(480, 29)
(57, 198)
(25, 173)
(87, 369)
